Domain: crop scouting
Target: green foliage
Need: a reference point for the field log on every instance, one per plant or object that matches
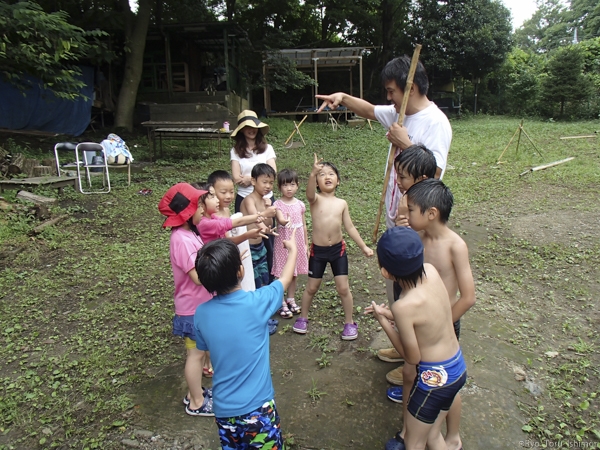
(547, 29)
(566, 82)
(44, 46)
(283, 75)
(470, 37)
(520, 78)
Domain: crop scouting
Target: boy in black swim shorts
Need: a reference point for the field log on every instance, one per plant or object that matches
(425, 337)
(328, 214)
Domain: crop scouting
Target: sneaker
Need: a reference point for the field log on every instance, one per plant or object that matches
(272, 328)
(396, 443)
(205, 410)
(205, 391)
(301, 325)
(350, 332)
(395, 376)
(394, 393)
(389, 355)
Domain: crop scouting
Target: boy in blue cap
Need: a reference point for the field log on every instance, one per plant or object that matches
(425, 337)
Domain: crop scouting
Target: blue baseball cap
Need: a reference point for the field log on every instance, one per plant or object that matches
(400, 251)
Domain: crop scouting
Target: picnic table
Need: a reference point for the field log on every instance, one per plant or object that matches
(159, 130)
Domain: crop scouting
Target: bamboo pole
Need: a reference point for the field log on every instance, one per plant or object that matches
(545, 166)
(579, 137)
(390, 162)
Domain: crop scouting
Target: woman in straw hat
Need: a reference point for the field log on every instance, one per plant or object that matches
(250, 149)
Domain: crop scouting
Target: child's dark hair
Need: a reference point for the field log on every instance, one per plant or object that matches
(417, 160)
(286, 176)
(432, 193)
(335, 169)
(218, 175)
(217, 265)
(410, 279)
(203, 186)
(397, 70)
(263, 169)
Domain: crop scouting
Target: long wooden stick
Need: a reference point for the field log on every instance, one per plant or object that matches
(579, 137)
(545, 166)
(390, 162)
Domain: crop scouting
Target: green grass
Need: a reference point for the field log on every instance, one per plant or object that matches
(85, 308)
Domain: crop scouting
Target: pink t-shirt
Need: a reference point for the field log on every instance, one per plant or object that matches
(188, 295)
(214, 228)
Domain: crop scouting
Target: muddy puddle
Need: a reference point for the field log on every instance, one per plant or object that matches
(353, 411)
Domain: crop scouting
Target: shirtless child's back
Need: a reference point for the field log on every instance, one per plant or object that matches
(328, 214)
(263, 177)
(425, 337)
(429, 205)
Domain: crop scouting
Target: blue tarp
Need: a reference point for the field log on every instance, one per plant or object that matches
(39, 109)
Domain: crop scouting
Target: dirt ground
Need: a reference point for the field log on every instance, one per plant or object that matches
(353, 411)
(530, 342)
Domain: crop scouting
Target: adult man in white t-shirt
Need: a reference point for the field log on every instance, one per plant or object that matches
(424, 124)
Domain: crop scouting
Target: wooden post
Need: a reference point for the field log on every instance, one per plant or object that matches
(519, 138)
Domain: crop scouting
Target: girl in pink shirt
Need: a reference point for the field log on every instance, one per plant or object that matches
(180, 205)
(290, 212)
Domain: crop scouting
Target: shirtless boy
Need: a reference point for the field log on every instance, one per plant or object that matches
(328, 214)
(263, 177)
(429, 205)
(425, 338)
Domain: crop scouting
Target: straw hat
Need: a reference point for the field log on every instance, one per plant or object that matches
(248, 118)
(179, 204)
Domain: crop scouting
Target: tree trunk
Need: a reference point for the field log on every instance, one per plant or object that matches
(387, 31)
(134, 60)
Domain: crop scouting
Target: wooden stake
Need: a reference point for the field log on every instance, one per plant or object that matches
(390, 162)
(545, 166)
(296, 128)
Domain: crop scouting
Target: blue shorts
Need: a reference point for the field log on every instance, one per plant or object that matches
(183, 326)
(436, 386)
(258, 429)
(335, 255)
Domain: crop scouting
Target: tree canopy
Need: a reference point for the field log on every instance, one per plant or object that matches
(46, 47)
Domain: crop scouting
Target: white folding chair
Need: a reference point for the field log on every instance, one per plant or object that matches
(87, 165)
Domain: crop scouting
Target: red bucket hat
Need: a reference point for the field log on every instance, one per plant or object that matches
(179, 204)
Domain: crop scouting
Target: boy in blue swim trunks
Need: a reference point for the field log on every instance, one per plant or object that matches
(233, 326)
(425, 338)
(263, 177)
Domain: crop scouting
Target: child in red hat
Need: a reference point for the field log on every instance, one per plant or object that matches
(180, 205)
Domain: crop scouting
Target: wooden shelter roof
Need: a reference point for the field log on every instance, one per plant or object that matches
(325, 57)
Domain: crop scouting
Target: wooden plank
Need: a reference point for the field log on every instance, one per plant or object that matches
(37, 199)
(53, 182)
